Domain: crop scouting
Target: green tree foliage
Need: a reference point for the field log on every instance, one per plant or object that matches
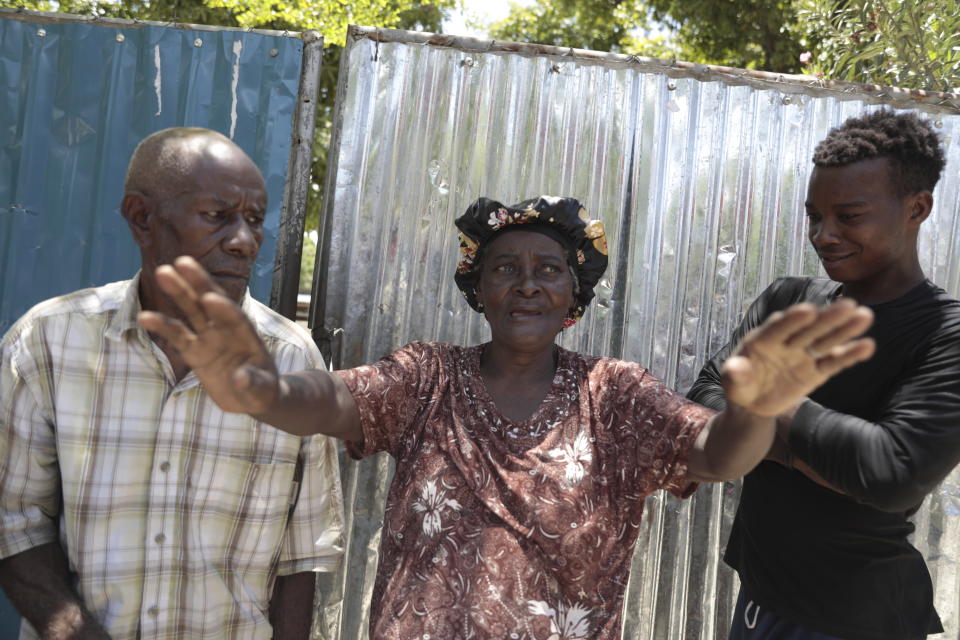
(184, 11)
(904, 43)
(601, 25)
(753, 34)
(750, 34)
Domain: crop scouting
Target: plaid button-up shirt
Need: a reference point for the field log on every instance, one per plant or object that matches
(174, 514)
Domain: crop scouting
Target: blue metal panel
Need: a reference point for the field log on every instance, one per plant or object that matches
(76, 98)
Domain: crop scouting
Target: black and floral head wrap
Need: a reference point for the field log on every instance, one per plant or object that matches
(562, 219)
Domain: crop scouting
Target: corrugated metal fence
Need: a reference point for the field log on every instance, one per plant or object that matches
(699, 176)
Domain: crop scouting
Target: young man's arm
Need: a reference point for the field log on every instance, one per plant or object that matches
(37, 583)
(890, 464)
(894, 462)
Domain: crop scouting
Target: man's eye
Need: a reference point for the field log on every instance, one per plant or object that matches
(848, 217)
(254, 220)
(551, 268)
(213, 215)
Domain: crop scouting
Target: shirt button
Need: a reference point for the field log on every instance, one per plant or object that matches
(154, 611)
(164, 466)
(159, 538)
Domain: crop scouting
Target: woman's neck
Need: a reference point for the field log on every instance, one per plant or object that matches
(502, 362)
(518, 381)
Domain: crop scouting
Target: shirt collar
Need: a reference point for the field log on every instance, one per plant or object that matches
(125, 318)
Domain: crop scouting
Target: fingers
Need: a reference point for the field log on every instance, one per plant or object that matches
(782, 325)
(228, 319)
(816, 331)
(198, 278)
(221, 311)
(845, 355)
(187, 283)
(182, 293)
(854, 326)
(173, 331)
(834, 325)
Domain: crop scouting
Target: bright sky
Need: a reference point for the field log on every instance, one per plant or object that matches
(483, 11)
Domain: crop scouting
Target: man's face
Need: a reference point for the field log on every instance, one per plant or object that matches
(858, 224)
(215, 216)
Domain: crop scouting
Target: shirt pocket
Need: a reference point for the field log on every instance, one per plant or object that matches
(240, 512)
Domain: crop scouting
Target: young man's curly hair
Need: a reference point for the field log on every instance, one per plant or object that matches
(908, 142)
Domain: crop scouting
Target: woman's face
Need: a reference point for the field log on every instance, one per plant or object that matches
(526, 289)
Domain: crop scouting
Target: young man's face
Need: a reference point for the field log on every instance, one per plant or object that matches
(863, 230)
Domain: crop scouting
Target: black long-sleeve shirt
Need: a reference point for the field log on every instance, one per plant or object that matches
(885, 432)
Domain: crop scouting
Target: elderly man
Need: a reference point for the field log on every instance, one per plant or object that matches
(130, 505)
(820, 536)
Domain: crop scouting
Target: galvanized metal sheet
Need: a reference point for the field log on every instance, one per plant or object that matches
(700, 185)
(76, 96)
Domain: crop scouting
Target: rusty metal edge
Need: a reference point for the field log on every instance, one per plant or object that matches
(934, 101)
(326, 332)
(293, 211)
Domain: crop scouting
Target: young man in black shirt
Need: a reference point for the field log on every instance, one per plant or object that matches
(820, 535)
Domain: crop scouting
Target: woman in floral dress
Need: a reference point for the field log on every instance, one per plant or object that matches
(522, 467)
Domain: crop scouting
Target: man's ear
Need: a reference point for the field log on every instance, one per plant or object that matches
(919, 206)
(137, 209)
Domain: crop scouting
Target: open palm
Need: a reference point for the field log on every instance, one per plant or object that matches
(217, 341)
(794, 352)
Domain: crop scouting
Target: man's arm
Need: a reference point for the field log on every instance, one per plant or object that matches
(894, 462)
(34, 571)
(221, 346)
(291, 606)
(37, 583)
(780, 453)
(771, 369)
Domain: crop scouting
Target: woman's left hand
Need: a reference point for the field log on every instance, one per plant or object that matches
(795, 351)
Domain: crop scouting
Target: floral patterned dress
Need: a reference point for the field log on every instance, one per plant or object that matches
(496, 528)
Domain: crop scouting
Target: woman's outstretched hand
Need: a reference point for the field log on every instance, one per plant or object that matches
(795, 351)
(217, 341)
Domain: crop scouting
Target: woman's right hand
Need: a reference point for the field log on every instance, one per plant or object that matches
(217, 341)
